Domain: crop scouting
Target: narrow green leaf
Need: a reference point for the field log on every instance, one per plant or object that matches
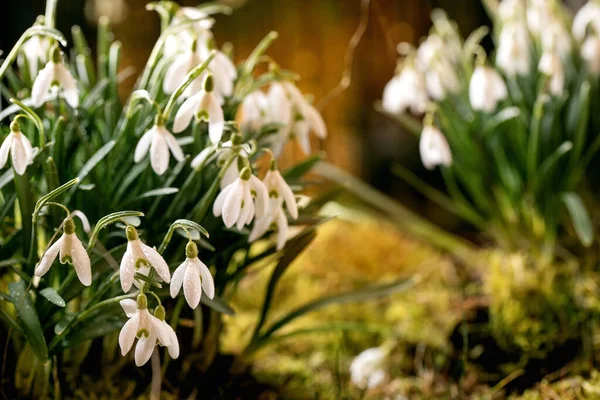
(110, 219)
(55, 193)
(185, 224)
(91, 163)
(408, 122)
(302, 168)
(580, 217)
(217, 304)
(52, 296)
(157, 193)
(28, 320)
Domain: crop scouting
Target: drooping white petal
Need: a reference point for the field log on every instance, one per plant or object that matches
(159, 154)
(144, 144)
(280, 109)
(588, 14)
(81, 261)
(48, 258)
(5, 149)
(434, 148)
(208, 284)
(176, 73)
(220, 201)
(174, 147)
(127, 334)
(144, 348)
(186, 112)
(174, 346)
(233, 203)
(192, 286)
(157, 261)
(162, 334)
(315, 120)
(590, 52)
(261, 226)
(28, 149)
(282, 229)
(18, 154)
(302, 129)
(177, 279)
(42, 84)
(127, 268)
(231, 174)
(216, 120)
(199, 160)
(129, 306)
(67, 82)
(247, 210)
(261, 196)
(288, 195)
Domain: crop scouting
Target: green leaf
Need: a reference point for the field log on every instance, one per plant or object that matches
(290, 252)
(92, 162)
(110, 219)
(217, 304)
(407, 121)
(299, 170)
(6, 177)
(185, 224)
(28, 320)
(580, 217)
(364, 294)
(157, 193)
(55, 193)
(52, 296)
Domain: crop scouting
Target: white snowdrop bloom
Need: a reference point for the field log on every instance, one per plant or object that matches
(19, 147)
(590, 52)
(288, 106)
(149, 329)
(486, 89)
(70, 250)
(406, 91)
(434, 148)
(430, 49)
(36, 49)
(441, 79)
(514, 49)
(159, 141)
(182, 64)
(539, 14)
(239, 202)
(556, 35)
(55, 75)
(367, 370)
(194, 276)
(275, 218)
(587, 15)
(254, 111)
(185, 14)
(204, 106)
(222, 69)
(139, 255)
(551, 65)
(510, 9)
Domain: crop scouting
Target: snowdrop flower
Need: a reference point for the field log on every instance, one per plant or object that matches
(539, 14)
(178, 70)
(510, 9)
(279, 193)
(486, 89)
(55, 74)
(551, 65)
(434, 147)
(204, 106)
(139, 255)
(222, 68)
(254, 111)
(288, 106)
(17, 144)
(514, 54)
(231, 151)
(149, 329)
(71, 251)
(590, 52)
(241, 200)
(556, 35)
(441, 79)
(159, 141)
(587, 15)
(194, 276)
(367, 370)
(184, 14)
(406, 91)
(35, 50)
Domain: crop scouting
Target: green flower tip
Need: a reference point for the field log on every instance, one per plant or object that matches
(56, 55)
(159, 312)
(15, 127)
(69, 226)
(191, 250)
(131, 233)
(209, 84)
(273, 165)
(142, 301)
(236, 139)
(246, 173)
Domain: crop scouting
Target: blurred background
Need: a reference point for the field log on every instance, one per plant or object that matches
(314, 35)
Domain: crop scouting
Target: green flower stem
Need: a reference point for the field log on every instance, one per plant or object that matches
(50, 16)
(83, 315)
(26, 206)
